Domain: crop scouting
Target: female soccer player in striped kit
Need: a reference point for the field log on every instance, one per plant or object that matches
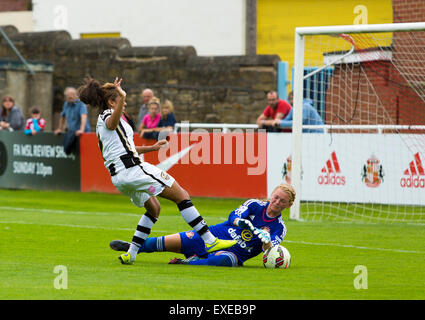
(139, 180)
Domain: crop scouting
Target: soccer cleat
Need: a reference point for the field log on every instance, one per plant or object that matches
(184, 261)
(175, 261)
(125, 258)
(219, 244)
(119, 245)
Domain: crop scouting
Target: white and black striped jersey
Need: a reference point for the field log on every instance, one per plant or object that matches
(115, 143)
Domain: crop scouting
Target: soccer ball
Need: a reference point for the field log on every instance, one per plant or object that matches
(276, 257)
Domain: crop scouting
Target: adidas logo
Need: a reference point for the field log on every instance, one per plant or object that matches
(331, 173)
(415, 174)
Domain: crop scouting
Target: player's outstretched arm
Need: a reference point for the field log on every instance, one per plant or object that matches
(154, 147)
(113, 121)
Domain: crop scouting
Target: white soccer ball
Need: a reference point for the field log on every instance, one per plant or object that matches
(276, 257)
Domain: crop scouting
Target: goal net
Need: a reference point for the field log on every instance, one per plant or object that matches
(358, 147)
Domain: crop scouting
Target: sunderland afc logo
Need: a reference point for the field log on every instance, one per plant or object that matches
(373, 173)
(331, 173)
(414, 175)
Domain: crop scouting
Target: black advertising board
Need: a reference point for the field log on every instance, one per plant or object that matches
(37, 162)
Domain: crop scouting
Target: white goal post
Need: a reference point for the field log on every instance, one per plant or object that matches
(340, 55)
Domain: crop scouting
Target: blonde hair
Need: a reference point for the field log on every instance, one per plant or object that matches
(168, 104)
(289, 191)
(156, 101)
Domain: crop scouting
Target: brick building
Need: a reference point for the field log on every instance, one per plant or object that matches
(390, 90)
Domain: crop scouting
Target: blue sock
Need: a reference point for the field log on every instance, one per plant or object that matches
(213, 260)
(153, 244)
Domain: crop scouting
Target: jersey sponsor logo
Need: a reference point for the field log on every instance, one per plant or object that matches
(331, 173)
(372, 173)
(239, 240)
(246, 235)
(414, 175)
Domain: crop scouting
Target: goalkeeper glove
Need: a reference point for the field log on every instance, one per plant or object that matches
(263, 235)
(245, 224)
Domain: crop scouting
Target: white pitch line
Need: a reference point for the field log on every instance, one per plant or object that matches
(74, 226)
(69, 212)
(354, 247)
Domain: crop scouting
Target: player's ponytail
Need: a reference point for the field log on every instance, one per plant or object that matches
(97, 95)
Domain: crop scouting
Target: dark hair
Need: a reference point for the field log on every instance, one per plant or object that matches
(35, 110)
(97, 95)
(3, 109)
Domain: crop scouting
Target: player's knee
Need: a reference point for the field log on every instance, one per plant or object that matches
(180, 193)
(153, 207)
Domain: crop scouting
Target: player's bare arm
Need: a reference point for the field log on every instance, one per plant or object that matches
(118, 106)
(154, 147)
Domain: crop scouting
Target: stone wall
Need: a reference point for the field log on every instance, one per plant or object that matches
(224, 89)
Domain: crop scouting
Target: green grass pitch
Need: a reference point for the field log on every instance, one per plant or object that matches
(41, 230)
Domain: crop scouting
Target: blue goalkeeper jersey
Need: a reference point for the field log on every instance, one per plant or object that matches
(249, 245)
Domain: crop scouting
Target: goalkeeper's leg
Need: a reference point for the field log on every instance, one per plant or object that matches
(219, 259)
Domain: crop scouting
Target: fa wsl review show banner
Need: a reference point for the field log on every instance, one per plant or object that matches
(37, 162)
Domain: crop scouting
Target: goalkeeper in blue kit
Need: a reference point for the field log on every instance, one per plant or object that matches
(256, 225)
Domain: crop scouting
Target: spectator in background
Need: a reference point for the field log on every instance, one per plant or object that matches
(147, 95)
(35, 124)
(310, 116)
(276, 110)
(168, 120)
(11, 117)
(151, 120)
(127, 118)
(74, 114)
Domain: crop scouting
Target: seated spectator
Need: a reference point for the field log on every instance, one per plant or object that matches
(168, 120)
(276, 110)
(310, 116)
(151, 120)
(35, 124)
(11, 117)
(147, 95)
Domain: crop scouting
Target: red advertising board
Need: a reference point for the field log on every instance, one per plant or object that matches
(232, 165)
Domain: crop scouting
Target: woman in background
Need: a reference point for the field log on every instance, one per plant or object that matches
(168, 120)
(148, 128)
(11, 117)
